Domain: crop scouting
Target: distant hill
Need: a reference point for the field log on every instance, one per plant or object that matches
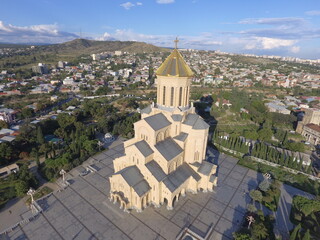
(83, 46)
(68, 51)
(11, 45)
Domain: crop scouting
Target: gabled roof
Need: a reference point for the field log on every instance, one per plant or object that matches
(157, 121)
(135, 179)
(174, 65)
(205, 168)
(144, 148)
(195, 121)
(176, 117)
(156, 170)
(141, 188)
(182, 136)
(168, 148)
(191, 119)
(146, 110)
(178, 177)
(200, 124)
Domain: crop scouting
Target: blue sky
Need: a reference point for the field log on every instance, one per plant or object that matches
(273, 27)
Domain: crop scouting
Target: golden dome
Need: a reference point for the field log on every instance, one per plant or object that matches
(174, 65)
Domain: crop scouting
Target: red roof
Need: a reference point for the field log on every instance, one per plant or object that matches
(313, 126)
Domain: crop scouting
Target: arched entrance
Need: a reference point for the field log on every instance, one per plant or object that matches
(118, 198)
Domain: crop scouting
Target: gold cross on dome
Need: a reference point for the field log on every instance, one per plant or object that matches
(176, 42)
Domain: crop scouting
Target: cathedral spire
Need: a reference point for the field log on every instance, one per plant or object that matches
(176, 43)
(174, 65)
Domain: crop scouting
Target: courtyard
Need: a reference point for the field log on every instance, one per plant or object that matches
(83, 210)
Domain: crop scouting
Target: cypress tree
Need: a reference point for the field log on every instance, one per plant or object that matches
(300, 166)
(40, 138)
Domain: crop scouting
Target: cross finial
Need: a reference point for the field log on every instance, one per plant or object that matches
(176, 42)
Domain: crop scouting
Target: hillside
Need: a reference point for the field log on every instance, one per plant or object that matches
(11, 45)
(82, 46)
(70, 51)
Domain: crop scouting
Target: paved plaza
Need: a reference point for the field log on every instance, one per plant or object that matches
(83, 210)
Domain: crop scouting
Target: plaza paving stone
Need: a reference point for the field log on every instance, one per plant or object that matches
(83, 210)
(216, 206)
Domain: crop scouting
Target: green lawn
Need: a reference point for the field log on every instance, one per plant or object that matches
(296, 180)
(7, 192)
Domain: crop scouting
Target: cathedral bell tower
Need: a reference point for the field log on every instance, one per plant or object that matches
(174, 81)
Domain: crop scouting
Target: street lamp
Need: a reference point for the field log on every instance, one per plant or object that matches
(31, 192)
(100, 144)
(250, 220)
(63, 172)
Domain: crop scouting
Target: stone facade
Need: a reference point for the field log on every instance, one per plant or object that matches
(311, 116)
(167, 156)
(312, 133)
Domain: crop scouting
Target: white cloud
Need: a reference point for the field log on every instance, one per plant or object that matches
(286, 21)
(127, 5)
(270, 43)
(203, 41)
(313, 13)
(295, 49)
(139, 3)
(264, 43)
(33, 34)
(165, 1)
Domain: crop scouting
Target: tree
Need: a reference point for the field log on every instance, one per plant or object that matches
(3, 124)
(21, 188)
(40, 138)
(27, 112)
(5, 152)
(217, 71)
(265, 134)
(251, 208)
(293, 235)
(241, 236)
(307, 235)
(264, 185)
(256, 195)
(259, 230)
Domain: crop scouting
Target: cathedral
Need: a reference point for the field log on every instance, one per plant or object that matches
(167, 156)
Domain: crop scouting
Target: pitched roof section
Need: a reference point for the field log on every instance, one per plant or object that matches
(174, 65)
(157, 121)
(168, 148)
(205, 168)
(146, 110)
(200, 124)
(144, 148)
(156, 170)
(195, 121)
(135, 179)
(176, 117)
(178, 177)
(182, 136)
(141, 188)
(313, 127)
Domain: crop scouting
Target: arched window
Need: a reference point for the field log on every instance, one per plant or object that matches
(180, 97)
(196, 156)
(172, 95)
(187, 90)
(164, 96)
